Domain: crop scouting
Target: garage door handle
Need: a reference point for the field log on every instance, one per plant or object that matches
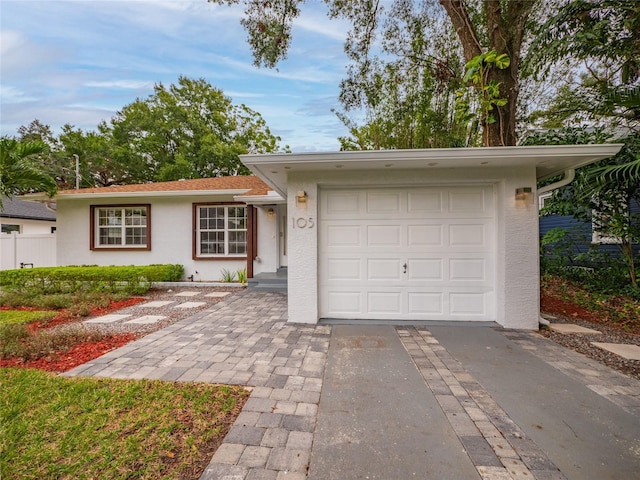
(405, 268)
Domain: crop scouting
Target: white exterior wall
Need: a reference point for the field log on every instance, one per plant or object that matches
(27, 226)
(171, 236)
(517, 275)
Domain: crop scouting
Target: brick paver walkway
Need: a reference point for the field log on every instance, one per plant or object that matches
(245, 340)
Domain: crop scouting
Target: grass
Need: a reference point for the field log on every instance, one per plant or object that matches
(53, 427)
(14, 317)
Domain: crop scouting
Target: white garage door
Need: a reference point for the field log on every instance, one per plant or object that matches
(423, 253)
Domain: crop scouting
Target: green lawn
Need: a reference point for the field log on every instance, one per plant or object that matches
(53, 427)
(12, 317)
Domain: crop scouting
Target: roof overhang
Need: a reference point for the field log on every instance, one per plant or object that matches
(271, 198)
(549, 160)
(141, 194)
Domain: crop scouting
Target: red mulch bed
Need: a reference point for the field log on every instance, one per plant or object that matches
(558, 306)
(63, 361)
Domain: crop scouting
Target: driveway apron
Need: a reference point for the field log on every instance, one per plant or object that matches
(378, 419)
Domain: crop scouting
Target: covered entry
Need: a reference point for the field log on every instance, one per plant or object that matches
(407, 253)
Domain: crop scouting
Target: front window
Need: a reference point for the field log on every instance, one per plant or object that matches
(221, 230)
(121, 227)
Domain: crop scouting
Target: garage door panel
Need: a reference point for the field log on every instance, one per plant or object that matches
(344, 269)
(386, 269)
(342, 203)
(431, 269)
(467, 304)
(343, 236)
(444, 235)
(344, 303)
(468, 235)
(384, 303)
(467, 201)
(424, 235)
(425, 303)
(425, 202)
(383, 203)
(384, 236)
(468, 269)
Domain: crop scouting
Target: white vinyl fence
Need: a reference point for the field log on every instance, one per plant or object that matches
(27, 250)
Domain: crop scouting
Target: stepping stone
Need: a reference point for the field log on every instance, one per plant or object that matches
(155, 304)
(107, 318)
(217, 294)
(628, 351)
(567, 328)
(187, 294)
(190, 305)
(147, 319)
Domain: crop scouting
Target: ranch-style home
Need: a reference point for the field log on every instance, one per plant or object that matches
(390, 235)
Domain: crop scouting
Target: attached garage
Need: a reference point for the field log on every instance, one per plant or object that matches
(417, 235)
(418, 253)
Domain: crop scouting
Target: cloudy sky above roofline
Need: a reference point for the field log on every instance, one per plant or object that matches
(79, 62)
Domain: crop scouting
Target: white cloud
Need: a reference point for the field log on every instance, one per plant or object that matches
(120, 84)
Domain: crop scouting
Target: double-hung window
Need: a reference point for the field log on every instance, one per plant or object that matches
(120, 227)
(221, 231)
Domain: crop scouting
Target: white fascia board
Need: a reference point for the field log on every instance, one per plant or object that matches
(154, 194)
(272, 198)
(547, 159)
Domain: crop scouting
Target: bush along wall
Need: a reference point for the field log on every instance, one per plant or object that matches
(51, 280)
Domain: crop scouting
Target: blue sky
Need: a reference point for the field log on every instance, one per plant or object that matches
(78, 62)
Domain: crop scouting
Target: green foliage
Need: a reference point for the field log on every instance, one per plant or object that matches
(19, 171)
(188, 130)
(228, 276)
(184, 130)
(242, 276)
(602, 35)
(16, 342)
(8, 317)
(422, 40)
(52, 280)
(478, 108)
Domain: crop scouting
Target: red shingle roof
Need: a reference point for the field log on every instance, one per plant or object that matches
(251, 183)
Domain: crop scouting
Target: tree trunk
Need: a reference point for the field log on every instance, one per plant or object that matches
(506, 26)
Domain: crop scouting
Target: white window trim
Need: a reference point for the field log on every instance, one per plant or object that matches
(95, 243)
(226, 230)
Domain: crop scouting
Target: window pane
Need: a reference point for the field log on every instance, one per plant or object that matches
(212, 243)
(110, 216)
(110, 236)
(136, 236)
(238, 242)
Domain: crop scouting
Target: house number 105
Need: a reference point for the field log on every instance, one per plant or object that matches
(302, 222)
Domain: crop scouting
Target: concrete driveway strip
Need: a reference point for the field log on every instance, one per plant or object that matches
(377, 419)
(585, 435)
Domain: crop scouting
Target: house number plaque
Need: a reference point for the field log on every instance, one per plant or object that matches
(302, 222)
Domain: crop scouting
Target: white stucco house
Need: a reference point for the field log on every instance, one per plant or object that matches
(207, 225)
(391, 235)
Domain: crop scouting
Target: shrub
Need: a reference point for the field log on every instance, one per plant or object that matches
(15, 341)
(57, 280)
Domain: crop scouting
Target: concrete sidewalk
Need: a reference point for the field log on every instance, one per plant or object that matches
(357, 402)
